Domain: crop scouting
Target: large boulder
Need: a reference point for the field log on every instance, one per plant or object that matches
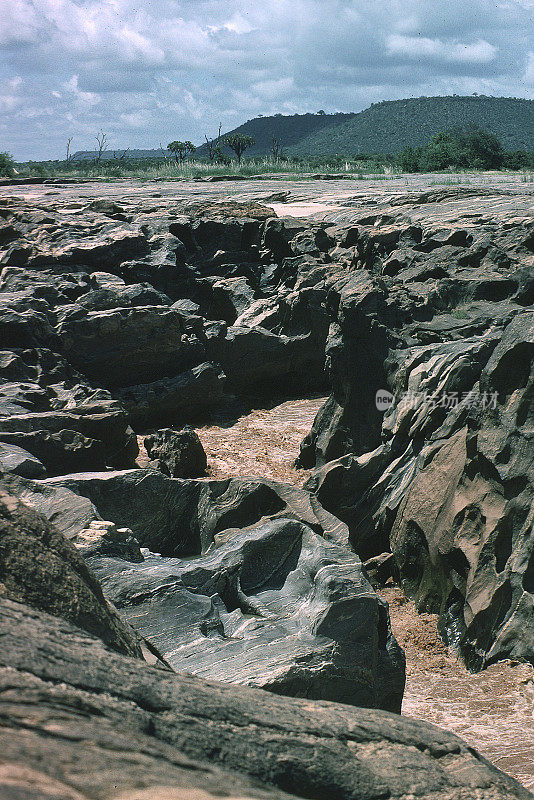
(179, 518)
(273, 605)
(178, 454)
(257, 567)
(85, 434)
(121, 347)
(184, 398)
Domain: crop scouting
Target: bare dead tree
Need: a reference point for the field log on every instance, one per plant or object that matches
(102, 143)
(68, 156)
(214, 145)
(163, 152)
(276, 148)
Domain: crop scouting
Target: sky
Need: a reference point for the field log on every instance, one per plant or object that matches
(147, 73)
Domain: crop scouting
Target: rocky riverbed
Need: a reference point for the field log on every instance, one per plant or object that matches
(492, 710)
(131, 310)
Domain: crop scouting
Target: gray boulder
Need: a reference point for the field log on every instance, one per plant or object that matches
(274, 606)
(120, 347)
(18, 461)
(40, 567)
(180, 518)
(178, 454)
(103, 538)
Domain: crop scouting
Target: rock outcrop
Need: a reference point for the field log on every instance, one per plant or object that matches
(178, 454)
(147, 312)
(260, 587)
(442, 474)
(39, 567)
(80, 721)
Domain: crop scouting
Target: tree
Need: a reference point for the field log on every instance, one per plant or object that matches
(7, 165)
(181, 150)
(239, 143)
(467, 147)
(213, 145)
(68, 155)
(276, 148)
(102, 143)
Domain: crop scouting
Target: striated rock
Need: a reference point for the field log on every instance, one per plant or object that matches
(106, 423)
(274, 606)
(18, 461)
(181, 517)
(277, 600)
(178, 454)
(129, 730)
(177, 400)
(68, 512)
(124, 346)
(451, 490)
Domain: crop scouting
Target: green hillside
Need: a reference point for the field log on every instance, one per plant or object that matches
(393, 125)
(289, 130)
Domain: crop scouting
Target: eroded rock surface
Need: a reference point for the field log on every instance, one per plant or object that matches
(261, 587)
(125, 729)
(150, 311)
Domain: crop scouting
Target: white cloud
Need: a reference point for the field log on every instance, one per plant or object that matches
(479, 52)
(83, 99)
(142, 71)
(529, 71)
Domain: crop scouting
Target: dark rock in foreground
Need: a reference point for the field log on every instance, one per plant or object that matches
(80, 721)
(40, 567)
(274, 597)
(273, 606)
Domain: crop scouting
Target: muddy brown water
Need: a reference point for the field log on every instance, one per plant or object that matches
(494, 710)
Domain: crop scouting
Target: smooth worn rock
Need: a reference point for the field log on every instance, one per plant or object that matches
(181, 517)
(278, 601)
(188, 396)
(273, 605)
(18, 461)
(178, 454)
(103, 538)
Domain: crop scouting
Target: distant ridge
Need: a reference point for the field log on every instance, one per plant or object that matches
(385, 127)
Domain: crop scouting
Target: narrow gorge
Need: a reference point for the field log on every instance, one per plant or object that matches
(267, 481)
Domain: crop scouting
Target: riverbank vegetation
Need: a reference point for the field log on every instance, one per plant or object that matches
(465, 148)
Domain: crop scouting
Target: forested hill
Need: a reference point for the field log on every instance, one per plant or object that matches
(386, 127)
(289, 130)
(392, 125)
